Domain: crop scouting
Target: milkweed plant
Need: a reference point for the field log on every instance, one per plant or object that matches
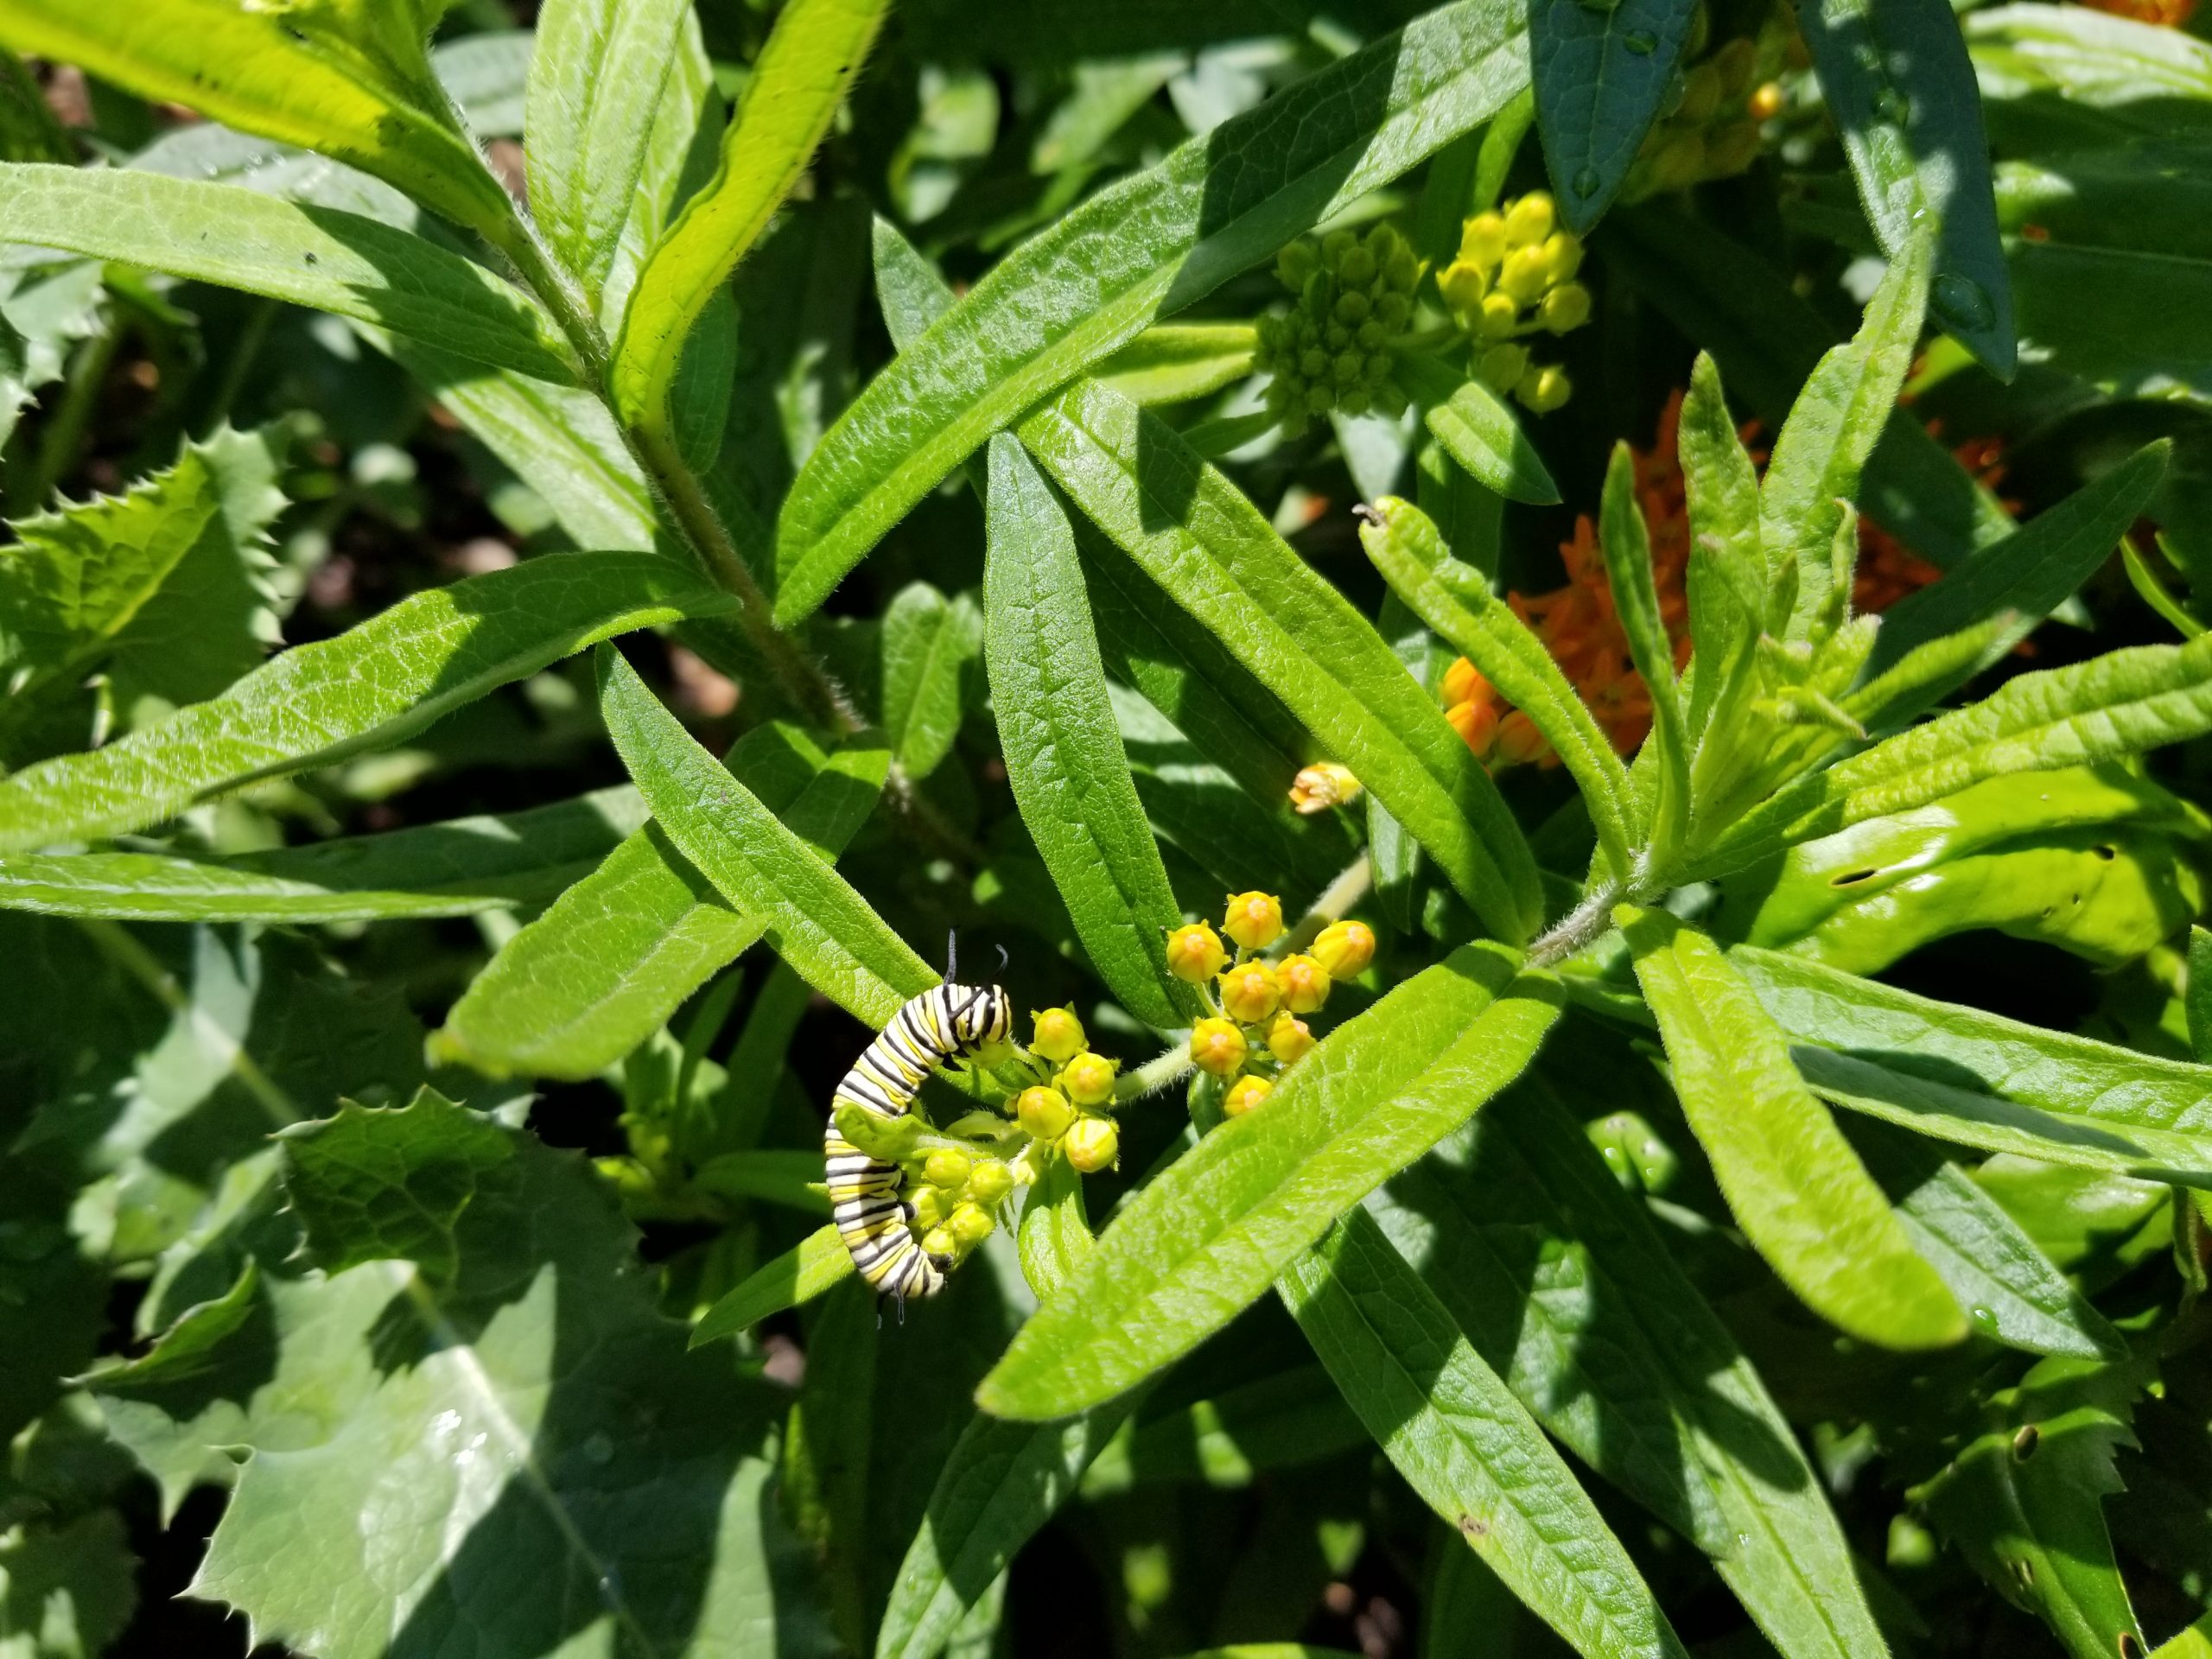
(1270, 829)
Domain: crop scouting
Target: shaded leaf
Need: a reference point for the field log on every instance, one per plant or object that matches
(799, 1274)
(1601, 74)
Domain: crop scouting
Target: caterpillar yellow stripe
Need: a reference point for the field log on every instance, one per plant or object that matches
(949, 1023)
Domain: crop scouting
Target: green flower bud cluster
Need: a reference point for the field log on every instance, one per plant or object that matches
(1514, 277)
(1332, 351)
(1709, 128)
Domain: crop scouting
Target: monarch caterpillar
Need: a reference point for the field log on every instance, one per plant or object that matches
(949, 1023)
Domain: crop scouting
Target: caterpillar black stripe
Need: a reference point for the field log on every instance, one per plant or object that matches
(950, 1023)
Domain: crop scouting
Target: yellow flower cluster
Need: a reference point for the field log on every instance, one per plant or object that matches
(1258, 1030)
(1515, 277)
(1712, 129)
(1066, 1111)
(1355, 296)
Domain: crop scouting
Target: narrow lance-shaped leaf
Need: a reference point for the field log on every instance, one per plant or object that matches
(1727, 578)
(816, 922)
(1064, 756)
(319, 257)
(812, 55)
(372, 685)
(1796, 1188)
(1479, 431)
(1624, 542)
(1130, 254)
(1601, 74)
(929, 647)
(812, 1266)
(1207, 1237)
(1898, 81)
(1453, 599)
(1462, 1442)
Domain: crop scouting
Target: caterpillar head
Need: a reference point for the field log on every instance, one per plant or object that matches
(983, 1019)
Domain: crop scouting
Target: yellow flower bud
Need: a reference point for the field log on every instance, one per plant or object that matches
(1344, 949)
(938, 1241)
(1523, 277)
(1060, 1035)
(1253, 920)
(971, 1224)
(1217, 1045)
(1194, 953)
(1305, 983)
(1528, 220)
(1089, 1079)
(992, 1181)
(1465, 682)
(1766, 101)
(1289, 1038)
(1482, 240)
(1244, 1094)
(1563, 256)
(1544, 389)
(1249, 992)
(1498, 317)
(1463, 284)
(1093, 1144)
(929, 1204)
(1565, 308)
(1322, 785)
(948, 1167)
(1502, 366)
(1476, 723)
(1044, 1113)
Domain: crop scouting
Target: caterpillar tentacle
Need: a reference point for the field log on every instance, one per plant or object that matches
(947, 1024)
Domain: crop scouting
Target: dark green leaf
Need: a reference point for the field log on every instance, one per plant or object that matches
(1601, 74)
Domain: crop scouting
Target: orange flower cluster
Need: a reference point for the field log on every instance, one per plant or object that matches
(2168, 13)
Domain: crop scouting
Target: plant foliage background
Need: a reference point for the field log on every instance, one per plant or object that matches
(1650, 549)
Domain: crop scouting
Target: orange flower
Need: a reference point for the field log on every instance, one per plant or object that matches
(2168, 13)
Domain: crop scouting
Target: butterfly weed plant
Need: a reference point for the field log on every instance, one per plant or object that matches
(1543, 658)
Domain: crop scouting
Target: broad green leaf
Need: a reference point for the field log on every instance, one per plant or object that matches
(799, 1274)
(1479, 431)
(1602, 74)
(814, 52)
(1174, 362)
(2112, 77)
(1199, 537)
(1205, 1238)
(1129, 256)
(419, 1439)
(616, 953)
(813, 919)
(1972, 1078)
(1565, 1287)
(1831, 429)
(1796, 1186)
(2010, 1289)
(1898, 81)
(1228, 1440)
(460, 868)
(595, 82)
(337, 79)
(1624, 543)
(66, 1589)
(2022, 578)
(930, 645)
(380, 680)
(319, 257)
(1063, 756)
(2122, 702)
(1462, 1442)
(2024, 1502)
(1455, 601)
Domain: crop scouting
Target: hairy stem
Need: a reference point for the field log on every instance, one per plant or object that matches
(1586, 924)
(1169, 1066)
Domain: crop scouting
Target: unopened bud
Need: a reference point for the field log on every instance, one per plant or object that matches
(1766, 101)
(938, 1241)
(947, 1168)
(1244, 1094)
(1335, 246)
(1092, 1144)
(1044, 1113)
(992, 1181)
(1563, 256)
(1566, 308)
(1217, 1046)
(1289, 1038)
(1503, 366)
(1305, 983)
(971, 1224)
(1463, 284)
(929, 1204)
(1476, 724)
(1544, 389)
(1295, 263)
(1195, 953)
(1524, 276)
(1481, 239)
(1060, 1035)
(1351, 308)
(1089, 1079)
(1357, 269)
(1253, 920)
(1465, 682)
(1518, 740)
(1249, 992)
(1344, 949)
(1528, 220)
(1498, 317)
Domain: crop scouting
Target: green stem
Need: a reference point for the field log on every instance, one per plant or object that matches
(1583, 925)
(1171, 1065)
(64, 436)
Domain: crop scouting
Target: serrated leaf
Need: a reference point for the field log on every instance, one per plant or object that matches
(616, 953)
(1795, 1187)
(1601, 74)
(1479, 431)
(366, 1190)
(318, 703)
(1211, 550)
(1206, 1237)
(1464, 1443)
(930, 646)
(1092, 283)
(813, 919)
(332, 261)
(812, 55)
(1063, 756)
(1898, 83)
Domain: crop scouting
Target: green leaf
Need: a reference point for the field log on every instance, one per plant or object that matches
(1074, 294)
(460, 868)
(422, 1441)
(2122, 702)
(1453, 599)
(1727, 572)
(1055, 1234)
(351, 82)
(1064, 756)
(929, 644)
(681, 151)
(2024, 1502)
(380, 680)
(2197, 994)
(1899, 85)
(1796, 1188)
(1831, 429)
(1973, 1078)
(1174, 362)
(1211, 550)
(1229, 1440)
(1625, 543)
(799, 1274)
(319, 257)
(595, 82)
(813, 919)
(67, 1590)
(1205, 1238)
(1479, 431)
(1601, 75)
(814, 52)
(1462, 1442)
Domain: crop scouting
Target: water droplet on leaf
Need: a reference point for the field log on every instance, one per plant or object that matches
(1961, 302)
(1642, 42)
(1890, 105)
(1586, 182)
